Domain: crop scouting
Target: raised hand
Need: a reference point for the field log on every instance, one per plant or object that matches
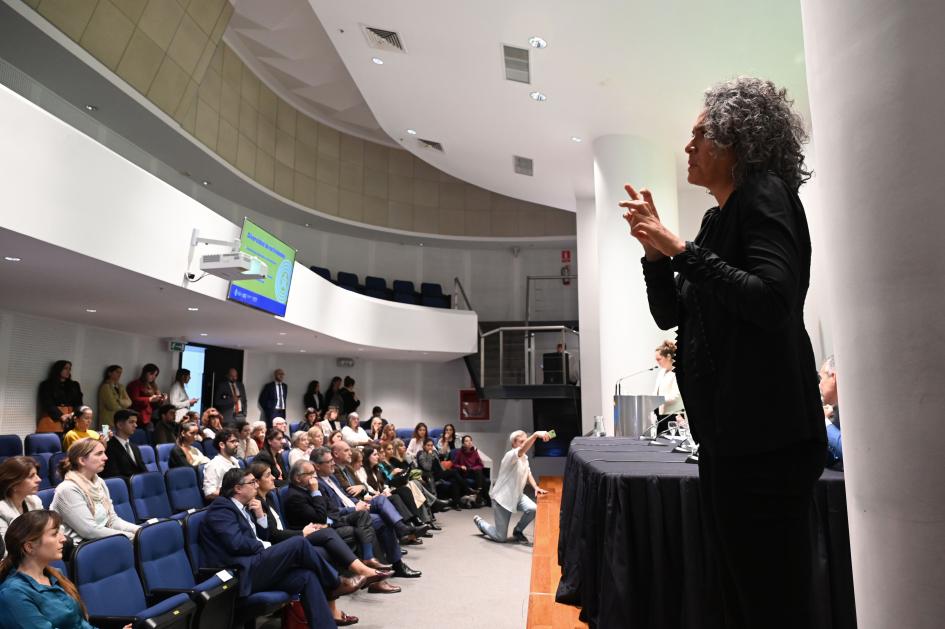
(646, 227)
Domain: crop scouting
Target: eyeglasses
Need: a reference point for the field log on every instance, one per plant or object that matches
(249, 482)
(326, 462)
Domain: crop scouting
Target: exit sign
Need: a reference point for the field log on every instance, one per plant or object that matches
(176, 346)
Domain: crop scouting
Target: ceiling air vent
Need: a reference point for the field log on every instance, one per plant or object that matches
(382, 39)
(430, 144)
(516, 64)
(524, 166)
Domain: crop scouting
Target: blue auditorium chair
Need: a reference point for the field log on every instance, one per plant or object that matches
(46, 496)
(208, 448)
(147, 456)
(43, 463)
(118, 492)
(165, 569)
(293, 427)
(349, 281)
(164, 455)
(54, 476)
(183, 492)
(376, 287)
(405, 433)
(43, 444)
(10, 445)
(285, 459)
(249, 460)
(405, 293)
(149, 496)
(111, 589)
(432, 295)
(140, 437)
(435, 433)
(321, 271)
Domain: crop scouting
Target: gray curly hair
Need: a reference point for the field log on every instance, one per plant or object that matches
(754, 118)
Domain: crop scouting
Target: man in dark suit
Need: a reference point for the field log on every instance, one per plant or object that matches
(388, 524)
(272, 398)
(124, 457)
(234, 532)
(230, 398)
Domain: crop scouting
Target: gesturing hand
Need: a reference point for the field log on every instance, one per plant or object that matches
(646, 227)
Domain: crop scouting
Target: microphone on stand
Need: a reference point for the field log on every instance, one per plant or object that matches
(635, 373)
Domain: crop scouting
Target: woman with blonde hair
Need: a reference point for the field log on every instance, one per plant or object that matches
(301, 447)
(316, 438)
(82, 498)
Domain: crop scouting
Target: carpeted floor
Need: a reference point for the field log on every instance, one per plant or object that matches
(468, 582)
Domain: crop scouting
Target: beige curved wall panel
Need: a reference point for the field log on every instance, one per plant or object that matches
(172, 51)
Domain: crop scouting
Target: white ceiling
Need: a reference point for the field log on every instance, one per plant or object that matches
(611, 67)
(57, 283)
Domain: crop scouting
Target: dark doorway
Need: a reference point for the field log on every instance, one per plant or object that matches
(216, 362)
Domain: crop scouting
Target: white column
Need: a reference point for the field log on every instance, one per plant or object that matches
(618, 335)
(875, 73)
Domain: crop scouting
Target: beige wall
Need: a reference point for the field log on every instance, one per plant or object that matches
(172, 52)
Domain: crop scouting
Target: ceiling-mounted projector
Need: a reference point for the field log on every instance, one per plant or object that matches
(234, 266)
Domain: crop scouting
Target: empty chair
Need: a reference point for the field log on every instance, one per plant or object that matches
(349, 281)
(406, 434)
(323, 272)
(10, 445)
(163, 565)
(431, 289)
(406, 298)
(403, 286)
(376, 287)
(121, 501)
(43, 443)
(46, 496)
(109, 585)
(164, 455)
(435, 301)
(404, 292)
(208, 449)
(54, 476)
(149, 496)
(183, 492)
(148, 458)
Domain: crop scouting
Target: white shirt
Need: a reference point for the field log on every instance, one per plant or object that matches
(181, 401)
(355, 436)
(262, 522)
(214, 471)
(667, 387)
(416, 445)
(345, 498)
(510, 484)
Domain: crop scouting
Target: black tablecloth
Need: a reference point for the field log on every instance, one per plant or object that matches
(631, 546)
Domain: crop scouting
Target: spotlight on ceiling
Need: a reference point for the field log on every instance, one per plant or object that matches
(537, 42)
(92, 310)
(575, 138)
(192, 308)
(91, 108)
(203, 334)
(538, 96)
(205, 183)
(412, 131)
(12, 259)
(377, 60)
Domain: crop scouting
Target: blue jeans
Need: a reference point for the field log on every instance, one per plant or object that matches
(499, 532)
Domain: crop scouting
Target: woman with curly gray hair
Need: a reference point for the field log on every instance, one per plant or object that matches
(738, 301)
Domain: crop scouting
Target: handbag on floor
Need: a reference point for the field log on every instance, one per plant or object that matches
(293, 616)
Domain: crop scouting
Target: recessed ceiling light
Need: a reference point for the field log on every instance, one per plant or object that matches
(377, 60)
(280, 343)
(307, 225)
(575, 138)
(282, 333)
(205, 183)
(360, 349)
(203, 334)
(12, 259)
(538, 96)
(193, 308)
(91, 107)
(412, 131)
(91, 310)
(302, 350)
(421, 244)
(537, 42)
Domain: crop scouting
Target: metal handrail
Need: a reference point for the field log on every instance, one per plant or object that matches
(462, 291)
(515, 328)
(532, 328)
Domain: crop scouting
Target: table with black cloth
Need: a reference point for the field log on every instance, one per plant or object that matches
(632, 551)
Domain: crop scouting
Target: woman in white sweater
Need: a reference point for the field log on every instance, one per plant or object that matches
(353, 433)
(19, 482)
(666, 384)
(82, 499)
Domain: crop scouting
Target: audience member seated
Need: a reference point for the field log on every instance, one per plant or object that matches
(330, 421)
(257, 431)
(19, 482)
(82, 498)
(349, 397)
(247, 446)
(416, 442)
(271, 454)
(59, 396)
(304, 504)
(211, 422)
(433, 471)
(301, 448)
(388, 434)
(194, 418)
(313, 398)
(235, 531)
(387, 521)
(316, 438)
(469, 465)
(145, 395)
(377, 412)
(828, 390)
(280, 424)
(309, 419)
(225, 443)
(320, 535)
(375, 430)
(446, 443)
(353, 433)
(112, 396)
(335, 437)
(33, 594)
(185, 453)
(177, 395)
(413, 501)
(124, 457)
(82, 429)
(165, 426)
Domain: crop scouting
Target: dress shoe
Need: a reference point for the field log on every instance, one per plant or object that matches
(519, 537)
(440, 505)
(403, 552)
(435, 527)
(346, 620)
(347, 586)
(421, 530)
(404, 571)
(383, 587)
(377, 577)
(377, 565)
(411, 540)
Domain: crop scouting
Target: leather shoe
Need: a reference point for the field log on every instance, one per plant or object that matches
(404, 571)
(377, 577)
(440, 505)
(346, 620)
(403, 552)
(383, 587)
(421, 530)
(347, 586)
(377, 565)
(410, 540)
(435, 527)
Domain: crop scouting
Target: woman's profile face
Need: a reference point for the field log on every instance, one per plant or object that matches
(48, 548)
(373, 459)
(266, 482)
(709, 165)
(83, 420)
(94, 462)
(115, 375)
(66, 372)
(30, 484)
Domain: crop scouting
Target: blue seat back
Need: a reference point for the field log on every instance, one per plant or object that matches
(435, 433)
(375, 283)
(46, 496)
(285, 458)
(106, 577)
(183, 492)
(377, 293)
(162, 556)
(208, 449)
(405, 433)
(192, 537)
(149, 496)
(435, 301)
(347, 279)
(249, 460)
(118, 492)
(431, 289)
(140, 437)
(42, 460)
(54, 476)
(405, 298)
(43, 443)
(293, 428)
(241, 463)
(164, 455)
(321, 271)
(147, 455)
(10, 445)
(280, 495)
(403, 286)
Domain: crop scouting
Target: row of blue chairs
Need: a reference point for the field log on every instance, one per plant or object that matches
(401, 291)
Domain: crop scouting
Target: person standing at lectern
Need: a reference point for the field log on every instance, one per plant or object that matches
(738, 299)
(666, 385)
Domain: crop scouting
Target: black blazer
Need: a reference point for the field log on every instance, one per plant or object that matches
(268, 398)
(53, 394)
(119, 463)
(276, 464)
(302, 508)
(348, 403)
(313, 400)
(178, 458)
(744, 362)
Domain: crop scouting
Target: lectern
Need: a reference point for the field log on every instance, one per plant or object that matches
(632, 413)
